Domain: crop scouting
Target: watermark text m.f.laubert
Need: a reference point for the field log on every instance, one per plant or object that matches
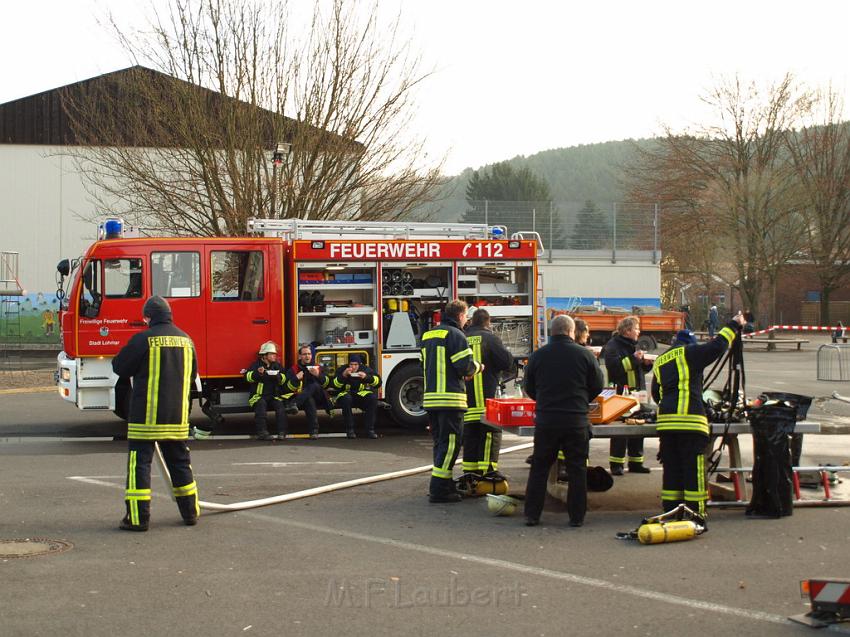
(392, 592)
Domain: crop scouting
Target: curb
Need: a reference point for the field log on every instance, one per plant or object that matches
(28, 390)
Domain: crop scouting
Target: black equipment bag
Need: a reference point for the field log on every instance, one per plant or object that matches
(772, 422)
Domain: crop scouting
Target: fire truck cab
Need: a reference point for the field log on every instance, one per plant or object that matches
(340, 287)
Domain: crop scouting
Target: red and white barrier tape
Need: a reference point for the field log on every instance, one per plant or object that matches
(799, 328)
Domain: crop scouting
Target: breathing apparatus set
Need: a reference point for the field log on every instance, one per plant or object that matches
(729, 405)
(676, 525)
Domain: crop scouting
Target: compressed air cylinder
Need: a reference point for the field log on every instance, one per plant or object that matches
(667, 532)
(498, 487)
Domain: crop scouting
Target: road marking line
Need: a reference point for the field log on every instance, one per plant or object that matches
(28, 390)
(533, 570)
(286, 464)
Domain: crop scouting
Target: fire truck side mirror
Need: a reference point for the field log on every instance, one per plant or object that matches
(64, 267)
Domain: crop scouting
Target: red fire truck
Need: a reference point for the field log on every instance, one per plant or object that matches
(343, 287)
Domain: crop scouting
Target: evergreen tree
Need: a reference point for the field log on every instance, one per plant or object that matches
(592, 229)
(515, 198)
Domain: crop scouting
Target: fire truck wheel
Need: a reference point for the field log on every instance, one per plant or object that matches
(646, 342)
(404, 394)
(122, 399)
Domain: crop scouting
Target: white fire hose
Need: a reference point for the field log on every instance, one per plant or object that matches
(306, 493)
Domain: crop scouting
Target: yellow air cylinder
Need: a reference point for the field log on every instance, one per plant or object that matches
(667, 532)
(484, 487)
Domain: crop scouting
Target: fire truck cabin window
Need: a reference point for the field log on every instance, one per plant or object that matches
(237, 276)
(176, 274)
(122, 278)
(91, 293)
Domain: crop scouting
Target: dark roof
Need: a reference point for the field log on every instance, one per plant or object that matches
(48, 118)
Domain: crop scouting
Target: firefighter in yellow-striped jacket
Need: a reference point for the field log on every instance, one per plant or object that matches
(481, 443)
(358, 386)
(682, 424)
(447, 363)
(162, 363)
(626, 368)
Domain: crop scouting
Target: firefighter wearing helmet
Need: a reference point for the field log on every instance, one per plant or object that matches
(161, 361)
(269, 384)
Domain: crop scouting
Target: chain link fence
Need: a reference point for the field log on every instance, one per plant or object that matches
(623, 229)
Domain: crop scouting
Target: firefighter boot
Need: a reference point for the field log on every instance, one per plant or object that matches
(125, 525)
(636, 467)
(616, 469)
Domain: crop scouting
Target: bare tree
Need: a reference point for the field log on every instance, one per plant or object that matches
(821, 157)
(184, 141)
(732, 177)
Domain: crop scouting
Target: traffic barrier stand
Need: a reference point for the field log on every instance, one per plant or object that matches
(829, 599)
(824, 478)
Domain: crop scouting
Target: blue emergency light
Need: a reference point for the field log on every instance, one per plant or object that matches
(113, 228)
(497, 231)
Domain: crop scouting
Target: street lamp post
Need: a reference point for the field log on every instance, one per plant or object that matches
(280, 149)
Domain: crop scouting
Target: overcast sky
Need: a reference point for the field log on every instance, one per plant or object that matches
(515, 77)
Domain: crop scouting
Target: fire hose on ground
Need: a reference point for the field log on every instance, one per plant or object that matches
(306, 493)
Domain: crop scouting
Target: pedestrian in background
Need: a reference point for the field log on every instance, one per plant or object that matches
(713, 321)
(161, 361)
(562, 377)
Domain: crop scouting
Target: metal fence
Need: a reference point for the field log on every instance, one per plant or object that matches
(834, 362)
(613, 228)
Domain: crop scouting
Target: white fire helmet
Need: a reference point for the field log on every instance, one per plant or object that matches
(268, 348)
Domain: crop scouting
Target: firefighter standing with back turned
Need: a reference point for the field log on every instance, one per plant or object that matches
(481, 443)
(626, 368)
(447, 362)
(162, 363)
(682, 424)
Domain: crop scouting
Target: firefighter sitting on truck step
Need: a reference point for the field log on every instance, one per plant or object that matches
(447, 363)
(626, 369)
(481, 443)
(682, 425)
(269, 382)
(308, 383)
(357, 386)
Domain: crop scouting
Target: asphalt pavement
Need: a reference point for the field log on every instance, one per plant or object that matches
(379, 559)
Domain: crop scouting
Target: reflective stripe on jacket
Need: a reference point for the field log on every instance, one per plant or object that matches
(677, 382)
(268, 386)
(488, 349)
(446, 360)
(622, 365)
(356, 386)
(162, 363)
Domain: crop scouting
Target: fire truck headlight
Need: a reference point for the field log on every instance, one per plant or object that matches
(65, 374)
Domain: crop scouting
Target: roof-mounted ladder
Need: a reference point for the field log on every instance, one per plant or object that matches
(293, 229)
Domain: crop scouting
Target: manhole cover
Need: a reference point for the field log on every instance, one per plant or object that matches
(32, 547)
